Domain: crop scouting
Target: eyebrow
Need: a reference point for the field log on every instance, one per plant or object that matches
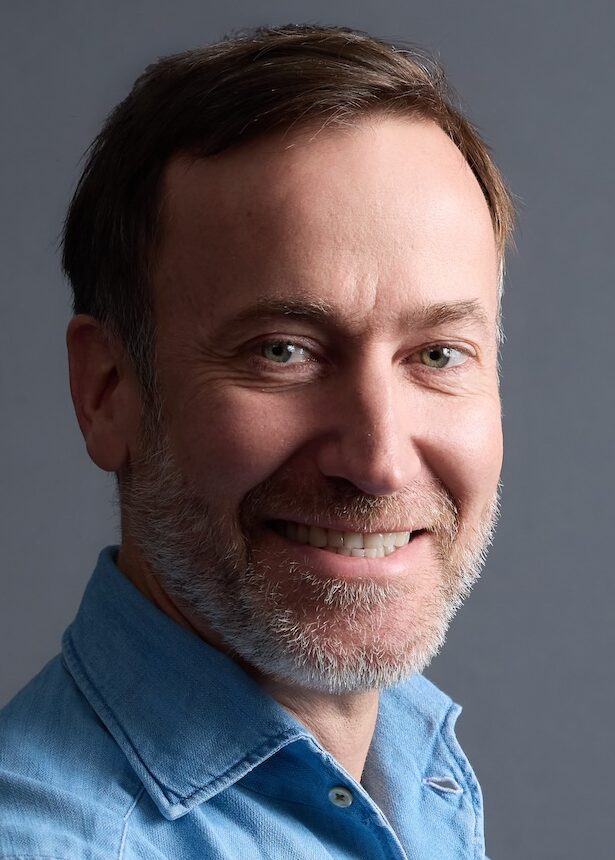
(428, 316)
(272, 307)
(424, 316)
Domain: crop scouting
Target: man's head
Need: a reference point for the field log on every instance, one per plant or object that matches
(297, 264)
(212, 99)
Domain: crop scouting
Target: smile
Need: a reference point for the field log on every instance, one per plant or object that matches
(354, 544)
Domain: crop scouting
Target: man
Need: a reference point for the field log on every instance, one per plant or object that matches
(286, 253)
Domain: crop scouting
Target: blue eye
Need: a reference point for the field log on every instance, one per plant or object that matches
(284, 352)
(439, 357)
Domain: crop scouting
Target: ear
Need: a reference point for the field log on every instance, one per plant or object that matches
(105, 393)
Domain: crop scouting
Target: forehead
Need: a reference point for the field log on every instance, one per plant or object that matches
(385, 213)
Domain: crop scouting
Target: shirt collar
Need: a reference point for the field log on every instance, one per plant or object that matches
(190, 721)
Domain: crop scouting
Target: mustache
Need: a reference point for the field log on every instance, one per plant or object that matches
(284, 496)
(303, 497)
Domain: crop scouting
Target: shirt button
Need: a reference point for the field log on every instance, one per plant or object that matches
(340, 796)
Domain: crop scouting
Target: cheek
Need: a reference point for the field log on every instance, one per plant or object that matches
(234, 440)
(466, 453)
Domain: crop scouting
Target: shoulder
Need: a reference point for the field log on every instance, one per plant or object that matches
(64, 784)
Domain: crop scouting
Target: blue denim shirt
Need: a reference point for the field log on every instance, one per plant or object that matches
(141, 741)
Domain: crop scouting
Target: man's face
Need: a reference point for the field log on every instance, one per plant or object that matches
(322, 485)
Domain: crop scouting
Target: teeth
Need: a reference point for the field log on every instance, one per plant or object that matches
(401, 538)
(373, 541)
(318, 537)
(353, 540)
(335, 538)
(355, 544)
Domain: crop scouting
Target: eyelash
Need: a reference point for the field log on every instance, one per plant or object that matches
(278, 367)
(273, 366)
(441, 346)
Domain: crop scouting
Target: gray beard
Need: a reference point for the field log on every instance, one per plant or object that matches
(324, 634)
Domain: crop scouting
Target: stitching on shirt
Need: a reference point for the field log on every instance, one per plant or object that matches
(272, 796)
(133, 806)
(366, 812)
(470, 783)
(254, 757)
(74, 666)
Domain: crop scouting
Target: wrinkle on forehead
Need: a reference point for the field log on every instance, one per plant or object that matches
(391, 203)
(327, 316)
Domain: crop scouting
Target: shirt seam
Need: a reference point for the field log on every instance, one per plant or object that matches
(253, 758)
(381, 829)
(131, 809)
(74, 667)
(277, 797)
(469, 780)
(372, 816)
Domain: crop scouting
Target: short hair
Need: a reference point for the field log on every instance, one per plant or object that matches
(209, 99)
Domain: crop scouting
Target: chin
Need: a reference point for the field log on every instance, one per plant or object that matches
(369, 640)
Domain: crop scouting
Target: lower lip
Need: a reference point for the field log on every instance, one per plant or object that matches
(329, 565)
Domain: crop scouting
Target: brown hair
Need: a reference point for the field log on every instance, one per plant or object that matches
(209, 99)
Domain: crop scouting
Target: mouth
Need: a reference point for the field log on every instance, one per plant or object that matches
(345, 543)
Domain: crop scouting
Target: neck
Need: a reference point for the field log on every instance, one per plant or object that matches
(342, 724)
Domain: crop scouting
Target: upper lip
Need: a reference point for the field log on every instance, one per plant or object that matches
(355, 528)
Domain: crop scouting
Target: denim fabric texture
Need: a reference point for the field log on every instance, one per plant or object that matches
(141, 742)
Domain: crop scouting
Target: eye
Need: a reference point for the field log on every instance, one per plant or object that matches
(439, 357)
(284, 352)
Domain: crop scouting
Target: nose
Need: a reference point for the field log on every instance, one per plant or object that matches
(370, 431)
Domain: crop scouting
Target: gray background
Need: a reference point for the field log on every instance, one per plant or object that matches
(530, 655)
